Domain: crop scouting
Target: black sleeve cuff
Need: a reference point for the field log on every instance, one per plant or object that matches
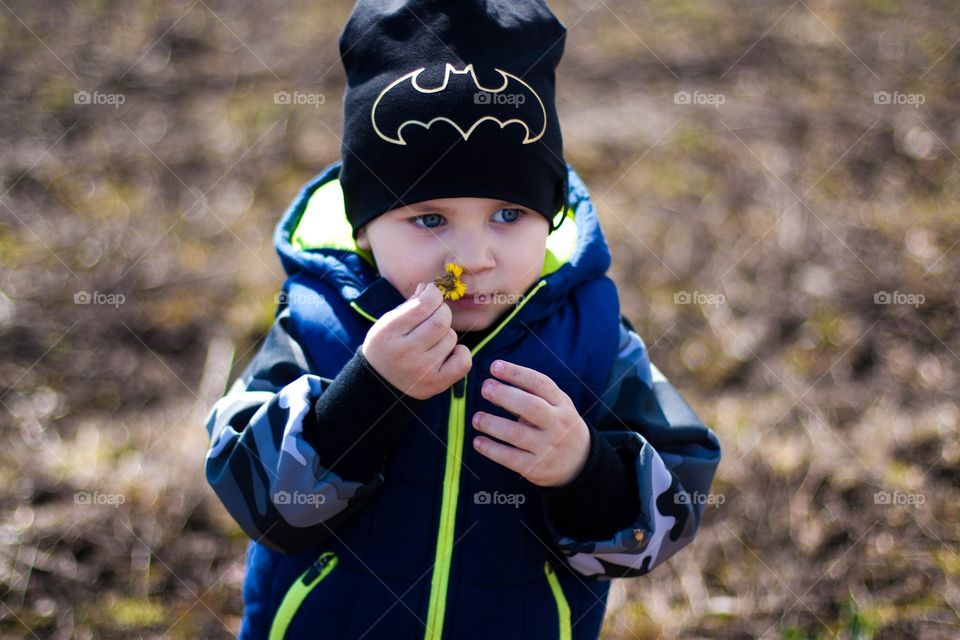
(357, 420)
(602, 499)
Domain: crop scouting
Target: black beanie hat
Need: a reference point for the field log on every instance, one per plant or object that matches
(480, 73)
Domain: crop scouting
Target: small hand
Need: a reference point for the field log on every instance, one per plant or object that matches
(550, 441)
(414, 346)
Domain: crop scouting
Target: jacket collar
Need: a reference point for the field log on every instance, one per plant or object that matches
(379, 297)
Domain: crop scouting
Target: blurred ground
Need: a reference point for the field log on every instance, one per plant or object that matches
(779, 185)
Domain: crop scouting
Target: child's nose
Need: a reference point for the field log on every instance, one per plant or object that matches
(475, 258)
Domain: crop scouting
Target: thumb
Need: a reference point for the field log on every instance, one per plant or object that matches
(420, 288)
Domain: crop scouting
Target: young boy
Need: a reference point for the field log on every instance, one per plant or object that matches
(410, 466)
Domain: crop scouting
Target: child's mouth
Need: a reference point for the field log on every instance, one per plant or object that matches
(469, 301)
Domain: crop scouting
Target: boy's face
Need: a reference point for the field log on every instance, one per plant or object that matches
(501, 247)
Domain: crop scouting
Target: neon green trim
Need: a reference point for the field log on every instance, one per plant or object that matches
(362, 312)
(561, 243)
(324, 225)
(563, 609)
(491, 335)
(456, 422)
(298, 592)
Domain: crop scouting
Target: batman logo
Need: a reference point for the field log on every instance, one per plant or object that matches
(514, 101)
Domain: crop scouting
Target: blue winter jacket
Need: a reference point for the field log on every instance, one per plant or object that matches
(443, 542)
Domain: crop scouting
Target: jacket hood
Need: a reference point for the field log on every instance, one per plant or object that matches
(314, 235)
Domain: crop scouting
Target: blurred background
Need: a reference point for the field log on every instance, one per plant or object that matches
(778, 182)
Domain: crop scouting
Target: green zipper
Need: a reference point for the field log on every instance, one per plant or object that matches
(563, 608)
(456, 420)
(451, 488)
(299, 591)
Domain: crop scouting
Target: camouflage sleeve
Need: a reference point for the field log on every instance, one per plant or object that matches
(266, 475)
(675, 456)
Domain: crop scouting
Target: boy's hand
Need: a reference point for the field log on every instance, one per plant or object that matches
(415, 347)
(550, 441)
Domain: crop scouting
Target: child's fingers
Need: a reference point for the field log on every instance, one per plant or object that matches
(457, 364)
(519, 402)
(519, 435)
(431, 329)
(419, 289)
(528, 379)
(418, 308)
(512, 458)
(443, 348)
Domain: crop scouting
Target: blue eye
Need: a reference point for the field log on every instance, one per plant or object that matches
(512, 214)
(434, 220)
(427, 218)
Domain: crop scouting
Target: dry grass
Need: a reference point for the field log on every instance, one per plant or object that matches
(783, 211)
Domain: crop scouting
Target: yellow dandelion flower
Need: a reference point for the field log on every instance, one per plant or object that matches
(450, 284)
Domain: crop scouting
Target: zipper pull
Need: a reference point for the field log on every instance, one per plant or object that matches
(458, 387)
(317, 568)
